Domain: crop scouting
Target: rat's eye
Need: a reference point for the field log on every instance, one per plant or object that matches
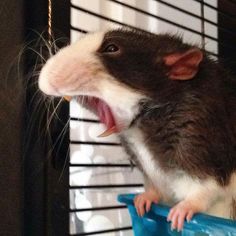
(111, 48)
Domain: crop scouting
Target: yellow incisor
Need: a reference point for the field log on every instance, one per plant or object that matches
(67, 98)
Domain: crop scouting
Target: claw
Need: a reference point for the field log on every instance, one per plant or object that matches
(144, 201)
(181, 212)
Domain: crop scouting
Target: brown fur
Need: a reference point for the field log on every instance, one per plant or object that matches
(188, 125)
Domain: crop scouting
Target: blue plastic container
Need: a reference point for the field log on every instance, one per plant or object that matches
(154, 223)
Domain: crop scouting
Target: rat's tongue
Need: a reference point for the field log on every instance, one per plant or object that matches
(102, 110)
(106, 117)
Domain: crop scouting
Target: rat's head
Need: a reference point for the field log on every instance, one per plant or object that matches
(117, 69)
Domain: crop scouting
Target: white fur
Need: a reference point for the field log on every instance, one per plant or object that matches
(72, 68)
(122, 100)
(150, 167)
(76, 70)
(177, 186)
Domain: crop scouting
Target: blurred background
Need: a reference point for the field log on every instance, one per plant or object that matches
(57, 177)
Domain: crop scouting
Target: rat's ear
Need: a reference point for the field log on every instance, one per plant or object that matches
(183, 66)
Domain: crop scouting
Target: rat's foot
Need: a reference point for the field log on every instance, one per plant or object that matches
(144, 201)
(183, 210)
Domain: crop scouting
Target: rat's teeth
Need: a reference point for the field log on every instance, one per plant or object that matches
(108, 132)
(68, 98)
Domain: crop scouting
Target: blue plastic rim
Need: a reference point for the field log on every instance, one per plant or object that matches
(154, 223)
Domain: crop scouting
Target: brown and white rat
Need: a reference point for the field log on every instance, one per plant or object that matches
(173, 107)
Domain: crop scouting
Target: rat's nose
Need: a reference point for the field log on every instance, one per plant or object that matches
(45, 85)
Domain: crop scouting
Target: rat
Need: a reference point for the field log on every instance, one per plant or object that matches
(171, 104)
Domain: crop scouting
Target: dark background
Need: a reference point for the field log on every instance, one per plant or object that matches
(227, 19)
(11, 119)
(45, 171)
(34, 185)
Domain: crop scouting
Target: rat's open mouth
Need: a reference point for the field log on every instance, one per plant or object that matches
(102, 110)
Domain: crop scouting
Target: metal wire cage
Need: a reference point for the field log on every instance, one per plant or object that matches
(98, 168)
(76, 195)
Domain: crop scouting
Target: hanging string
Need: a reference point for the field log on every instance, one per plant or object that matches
(50, 22)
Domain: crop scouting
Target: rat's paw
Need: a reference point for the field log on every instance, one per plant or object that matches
(180, 212)
(143, 202)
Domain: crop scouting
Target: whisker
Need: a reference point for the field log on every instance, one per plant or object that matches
(53, 113)
(32, 122)
(58, 142)
(65, 163)
(41, 108)
(54, 108)
(40, 55)
(45, 42)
